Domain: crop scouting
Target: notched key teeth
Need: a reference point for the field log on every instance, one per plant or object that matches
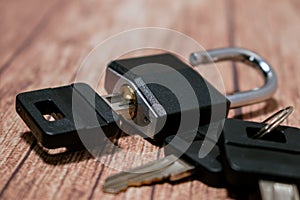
(169, 168)
(114, 187)
(181, 176)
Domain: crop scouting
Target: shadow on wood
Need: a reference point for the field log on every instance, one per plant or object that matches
(58, 156)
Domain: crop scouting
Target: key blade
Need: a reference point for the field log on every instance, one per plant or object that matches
(169, 167)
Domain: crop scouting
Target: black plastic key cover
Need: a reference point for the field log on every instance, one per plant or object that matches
(247, 160)
(49, 113)
(207, 169)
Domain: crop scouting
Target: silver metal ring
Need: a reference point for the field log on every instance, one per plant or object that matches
(274, 121)
(248, 57)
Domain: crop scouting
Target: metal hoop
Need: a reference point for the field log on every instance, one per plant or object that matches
(248, 57)
(275, 120)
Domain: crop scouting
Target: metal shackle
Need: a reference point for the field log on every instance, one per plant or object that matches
(250, 58)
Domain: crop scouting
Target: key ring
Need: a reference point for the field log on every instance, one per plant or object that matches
(275, 120)
(248, 57)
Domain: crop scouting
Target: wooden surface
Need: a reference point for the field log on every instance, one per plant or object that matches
(43, 43)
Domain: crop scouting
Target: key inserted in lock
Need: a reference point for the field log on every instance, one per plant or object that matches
(151, 94)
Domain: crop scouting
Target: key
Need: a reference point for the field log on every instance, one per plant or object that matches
(173, 167)
(151, 107)
(271, 160)
(249, 156)
(65, 122)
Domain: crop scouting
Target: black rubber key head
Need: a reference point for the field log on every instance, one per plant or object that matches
(49, 113)
(207, 169)
(246, 160)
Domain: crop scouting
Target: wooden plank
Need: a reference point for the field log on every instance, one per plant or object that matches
(13, 151)
(20, 22)
(13, 147)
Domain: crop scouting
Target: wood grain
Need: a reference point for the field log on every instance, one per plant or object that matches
(44, 42)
